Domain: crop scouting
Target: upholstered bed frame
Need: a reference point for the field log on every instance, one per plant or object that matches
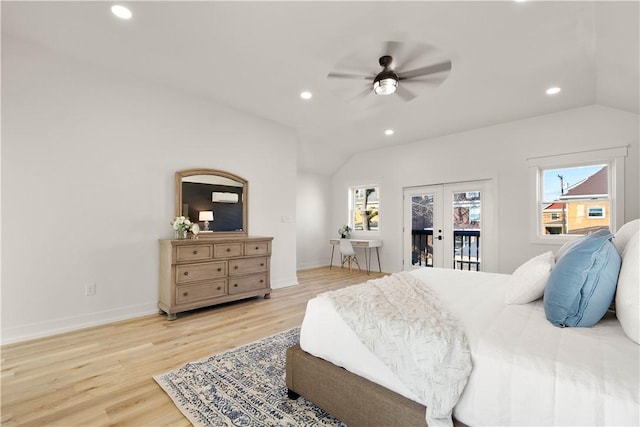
(352, 399)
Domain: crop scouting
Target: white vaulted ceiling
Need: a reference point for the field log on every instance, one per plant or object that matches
(259, 56)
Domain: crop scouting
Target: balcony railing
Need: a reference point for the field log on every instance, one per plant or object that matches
(466, 248)
(422, 248)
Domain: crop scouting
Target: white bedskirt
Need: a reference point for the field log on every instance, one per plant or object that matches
(525, 370)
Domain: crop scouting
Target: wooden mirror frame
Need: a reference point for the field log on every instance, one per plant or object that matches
(213, 172)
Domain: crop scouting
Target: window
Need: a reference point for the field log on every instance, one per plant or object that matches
(595, 211)
(576, 193)
(574, 198)
(364, 208)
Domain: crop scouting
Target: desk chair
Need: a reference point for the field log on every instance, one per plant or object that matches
(348, 254)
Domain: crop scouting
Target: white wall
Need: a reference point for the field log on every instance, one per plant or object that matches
(313, 219)
(497, 152)
(88, 163)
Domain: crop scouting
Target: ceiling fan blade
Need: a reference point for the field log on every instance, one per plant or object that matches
(431, 69)
(425, 80)
(363, 94)
(391, 48)
(419, 51)
(405, 93)
(348, 76)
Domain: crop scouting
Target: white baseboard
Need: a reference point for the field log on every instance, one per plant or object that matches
(312, 264)
(73, 323)
(284, 283)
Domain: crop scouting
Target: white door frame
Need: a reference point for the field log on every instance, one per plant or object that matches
(443, 220)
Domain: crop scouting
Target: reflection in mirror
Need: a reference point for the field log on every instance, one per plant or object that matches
(215, 200)
(201, 203)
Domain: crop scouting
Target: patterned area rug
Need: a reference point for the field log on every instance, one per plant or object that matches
(243, 387)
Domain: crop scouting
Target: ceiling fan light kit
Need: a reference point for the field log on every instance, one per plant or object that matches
(385, 86)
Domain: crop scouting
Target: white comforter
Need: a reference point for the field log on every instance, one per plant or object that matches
(399, 319)
(525, 370)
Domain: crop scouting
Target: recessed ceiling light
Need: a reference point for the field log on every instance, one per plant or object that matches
(121, 11)
(306, 95)
(388, 132)
(553, 90)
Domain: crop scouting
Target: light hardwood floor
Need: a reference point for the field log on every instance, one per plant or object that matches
(103, 375)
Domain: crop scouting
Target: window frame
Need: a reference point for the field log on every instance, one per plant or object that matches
(351, 209)
(612, 157)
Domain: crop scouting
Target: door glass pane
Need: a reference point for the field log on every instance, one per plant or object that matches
(422, 230)
(466, 230)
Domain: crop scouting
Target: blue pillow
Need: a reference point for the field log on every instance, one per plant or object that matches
(582, 284)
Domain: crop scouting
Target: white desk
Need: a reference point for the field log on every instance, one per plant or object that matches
(367, 244)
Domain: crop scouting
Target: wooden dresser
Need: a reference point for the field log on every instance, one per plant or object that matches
(200, 273)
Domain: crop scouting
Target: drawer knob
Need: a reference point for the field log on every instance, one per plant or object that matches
(257, 248)
(235, 267)
(262, 264)
(235, 285)
(261, 280)
(219, 288)
(185, 294)
(186, 273)
(228, 249)
(195, 252)
(219, 269)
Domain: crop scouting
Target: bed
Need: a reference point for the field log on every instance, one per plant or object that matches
(526, 371)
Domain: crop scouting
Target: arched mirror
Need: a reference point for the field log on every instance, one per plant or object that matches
(214, 199)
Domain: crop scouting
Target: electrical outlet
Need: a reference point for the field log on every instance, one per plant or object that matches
(90, 289)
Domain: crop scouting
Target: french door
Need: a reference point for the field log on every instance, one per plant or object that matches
(449, 226)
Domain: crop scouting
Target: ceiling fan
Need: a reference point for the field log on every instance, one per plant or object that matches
(387, 81)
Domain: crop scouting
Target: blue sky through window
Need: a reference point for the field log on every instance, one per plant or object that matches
(571, 176)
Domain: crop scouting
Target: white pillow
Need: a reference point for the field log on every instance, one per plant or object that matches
(565, 247)
(624, 234)
(528, 281)
(628, 290)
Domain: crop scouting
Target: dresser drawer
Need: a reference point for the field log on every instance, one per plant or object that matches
(194, 272)
(258, 248)
(245, 284)
(189, 293)
(226, 250)
(247, 265)
(194, 253)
